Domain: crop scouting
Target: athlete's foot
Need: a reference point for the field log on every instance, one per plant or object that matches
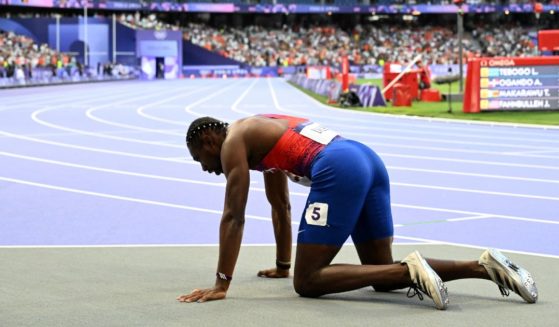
(509, 276)
(425, 280)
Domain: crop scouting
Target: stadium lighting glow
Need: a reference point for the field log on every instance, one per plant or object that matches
(552, 12)
(507, 12)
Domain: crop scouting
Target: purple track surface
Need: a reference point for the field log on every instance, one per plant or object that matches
(106, 164)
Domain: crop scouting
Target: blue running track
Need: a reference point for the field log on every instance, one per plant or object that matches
(106, 164)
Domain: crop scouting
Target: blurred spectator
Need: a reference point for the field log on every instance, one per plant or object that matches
(504, 41)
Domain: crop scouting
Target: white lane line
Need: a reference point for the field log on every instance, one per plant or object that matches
(465, 190)
(74, 101)
(444, 137)
(470, 218)
(446, 141)
(448, 172)
(30, 100)
(241, 97)
(525, 153)
(439, 221)
(532, 220)
(377, 145)
(222, 184)
(112, 171)
(473, 213)
(94, 246)
(189, 110)
(129, 154)
(413, 130)
(57, 134)
(81, 99)
(141, 112)
(84, 148)
(35, 117)
(89, 114)
(480, 162)
(125, 198)
(436, 242)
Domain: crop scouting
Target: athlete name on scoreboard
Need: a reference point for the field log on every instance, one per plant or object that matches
(516, 71)
(507, 82)
(516, 93)
(516, 104)
(520, 72)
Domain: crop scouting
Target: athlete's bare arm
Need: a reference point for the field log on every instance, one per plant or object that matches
(236, 170)
(277, 193)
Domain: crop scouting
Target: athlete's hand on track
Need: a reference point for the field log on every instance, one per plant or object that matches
(274, 273)
(203, 295)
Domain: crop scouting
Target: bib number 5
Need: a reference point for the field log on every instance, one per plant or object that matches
(317, 214)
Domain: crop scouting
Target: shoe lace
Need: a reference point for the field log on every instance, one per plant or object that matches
(504, 291)
(414, 290)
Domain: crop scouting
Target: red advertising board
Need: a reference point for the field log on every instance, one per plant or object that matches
(410, 78)
(548, 40)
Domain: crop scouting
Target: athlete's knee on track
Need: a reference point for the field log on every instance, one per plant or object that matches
(305, 287)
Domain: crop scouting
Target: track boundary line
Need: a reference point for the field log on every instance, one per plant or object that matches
(421, 243)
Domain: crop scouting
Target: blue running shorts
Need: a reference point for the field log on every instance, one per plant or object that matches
(350, 195)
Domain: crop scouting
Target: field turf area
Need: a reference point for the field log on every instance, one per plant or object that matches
(441, 109)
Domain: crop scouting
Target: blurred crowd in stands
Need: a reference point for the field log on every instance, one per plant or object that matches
(149, 22)
(364, 44)
(20, 56)
(23, 62)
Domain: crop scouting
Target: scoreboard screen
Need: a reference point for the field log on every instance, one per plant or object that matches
(504, 84)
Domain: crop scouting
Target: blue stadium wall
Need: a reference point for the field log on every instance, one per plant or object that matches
(194, 55)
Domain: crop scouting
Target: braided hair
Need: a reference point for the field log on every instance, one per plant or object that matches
(203, 123)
